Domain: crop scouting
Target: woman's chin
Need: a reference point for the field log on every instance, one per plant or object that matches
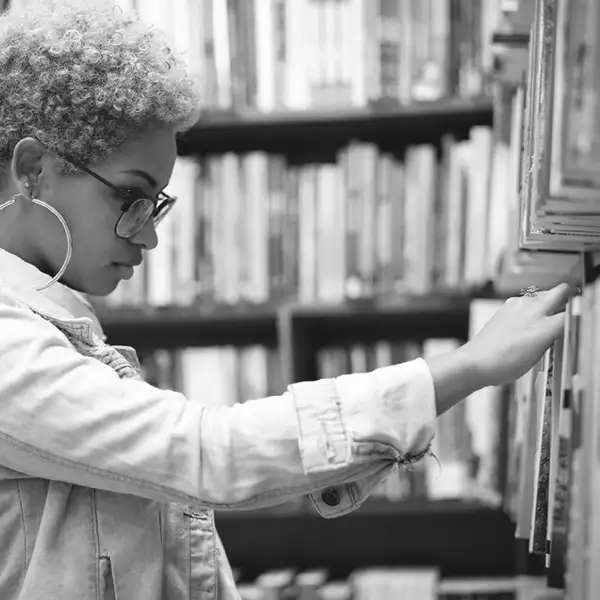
(100, 285)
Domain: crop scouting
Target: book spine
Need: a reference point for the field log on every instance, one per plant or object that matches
(280, 52)
(277, 208)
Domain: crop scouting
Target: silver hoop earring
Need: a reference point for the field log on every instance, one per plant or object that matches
(65, 227)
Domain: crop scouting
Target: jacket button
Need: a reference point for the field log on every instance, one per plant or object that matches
(331, 497)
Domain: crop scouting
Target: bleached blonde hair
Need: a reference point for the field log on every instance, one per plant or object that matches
(84, 77)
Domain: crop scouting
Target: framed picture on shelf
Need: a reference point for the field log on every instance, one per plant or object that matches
(560, 166)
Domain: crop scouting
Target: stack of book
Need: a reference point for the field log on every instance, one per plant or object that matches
(271, 55)
(527, 259)
(560, 161)
(216, 375)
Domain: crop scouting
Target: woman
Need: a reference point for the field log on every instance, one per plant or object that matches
(107, 484)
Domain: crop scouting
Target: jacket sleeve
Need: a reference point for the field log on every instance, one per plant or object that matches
(68, 417)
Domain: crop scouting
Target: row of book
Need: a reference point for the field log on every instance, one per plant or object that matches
(216, 375)
(553, 457)
(383, 583)
(299, 54)
(252, 228)
(560, 129)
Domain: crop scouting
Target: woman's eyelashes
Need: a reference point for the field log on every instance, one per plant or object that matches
(131, 193)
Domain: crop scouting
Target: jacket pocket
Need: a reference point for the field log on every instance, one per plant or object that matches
(107, 584)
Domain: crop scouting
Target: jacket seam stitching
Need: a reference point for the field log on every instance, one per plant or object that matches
(19, 494)
(213, 531)
(95, 541)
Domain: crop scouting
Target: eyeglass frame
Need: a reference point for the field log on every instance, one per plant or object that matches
(126, 194)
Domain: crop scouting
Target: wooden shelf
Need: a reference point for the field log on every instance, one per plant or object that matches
(461, 538)
(177, 326)
(317, 135)
(409, 317)
(306, 329)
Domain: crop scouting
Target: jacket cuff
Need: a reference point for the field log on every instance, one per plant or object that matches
(393, 405)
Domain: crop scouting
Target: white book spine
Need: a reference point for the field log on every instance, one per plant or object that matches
(299, 57)
(498, 217)
(367, 157)
(329, 244)
(182, 185)
(231, 227)
(355, 51)
(265, 55)
(478, 206)
(222, 53)
(453, 218)
(307, 235)
(217, 219)
(256, 177)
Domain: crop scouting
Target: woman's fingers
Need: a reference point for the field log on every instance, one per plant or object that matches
(554, 299)
(556, 324)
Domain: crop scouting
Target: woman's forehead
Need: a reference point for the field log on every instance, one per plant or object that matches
(152, 152)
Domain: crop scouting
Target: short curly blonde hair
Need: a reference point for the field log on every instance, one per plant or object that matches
(84, 77)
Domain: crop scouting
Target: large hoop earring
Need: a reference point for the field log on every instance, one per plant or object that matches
(65, 227)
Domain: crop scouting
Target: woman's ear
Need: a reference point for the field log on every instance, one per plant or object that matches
(26, 164)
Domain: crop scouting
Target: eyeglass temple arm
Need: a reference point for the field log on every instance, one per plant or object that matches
(79, 165)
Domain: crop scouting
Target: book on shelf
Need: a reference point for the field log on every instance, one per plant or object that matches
(216, 375)
(559, 182)
(559, 482)
(514, 114)
(271, 55)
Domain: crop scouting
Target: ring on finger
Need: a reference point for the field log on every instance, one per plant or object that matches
(530, 290)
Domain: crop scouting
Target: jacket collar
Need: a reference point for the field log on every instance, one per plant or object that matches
(58, 302)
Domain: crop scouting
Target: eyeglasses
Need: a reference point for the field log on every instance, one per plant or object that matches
(137, 208)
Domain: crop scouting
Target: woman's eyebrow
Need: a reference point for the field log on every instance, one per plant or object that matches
(143, 175)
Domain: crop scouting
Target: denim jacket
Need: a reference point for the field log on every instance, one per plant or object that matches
(107, 484)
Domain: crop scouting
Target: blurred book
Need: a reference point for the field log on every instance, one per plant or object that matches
(303, 54)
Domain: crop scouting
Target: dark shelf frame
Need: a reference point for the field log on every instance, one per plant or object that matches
(178, 326)
(307, 135)
(306, 329)
(460, 538)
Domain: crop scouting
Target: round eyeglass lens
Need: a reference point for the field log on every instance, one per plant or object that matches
(133, 220)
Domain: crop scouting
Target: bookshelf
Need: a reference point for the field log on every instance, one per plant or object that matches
(293, 133)
(175, 327)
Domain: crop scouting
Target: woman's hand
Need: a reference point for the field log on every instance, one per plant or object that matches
(515, 338)
(507, 346)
